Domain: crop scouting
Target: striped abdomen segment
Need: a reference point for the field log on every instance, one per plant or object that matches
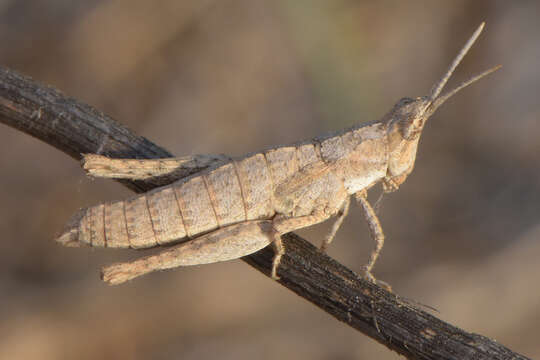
(139, 222)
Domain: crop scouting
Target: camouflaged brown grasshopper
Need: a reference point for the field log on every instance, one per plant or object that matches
(240, 205)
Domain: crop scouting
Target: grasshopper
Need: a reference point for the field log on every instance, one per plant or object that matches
(237, 206)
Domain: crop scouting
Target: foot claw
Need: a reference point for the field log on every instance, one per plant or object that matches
(369, 277)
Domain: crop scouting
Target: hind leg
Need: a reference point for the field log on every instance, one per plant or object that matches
(283, 225)
(231, 242)
(279, 250)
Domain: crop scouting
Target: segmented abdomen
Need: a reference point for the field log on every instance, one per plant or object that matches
(237, 191)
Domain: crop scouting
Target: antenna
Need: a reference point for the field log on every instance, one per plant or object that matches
(436, 90)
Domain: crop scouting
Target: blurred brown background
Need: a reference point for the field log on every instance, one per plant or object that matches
(234, 76)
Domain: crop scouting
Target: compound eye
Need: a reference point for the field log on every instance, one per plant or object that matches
(406, 100)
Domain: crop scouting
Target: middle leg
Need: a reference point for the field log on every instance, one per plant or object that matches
(342, 214)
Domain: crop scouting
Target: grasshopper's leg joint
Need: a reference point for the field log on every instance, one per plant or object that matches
(389, 185)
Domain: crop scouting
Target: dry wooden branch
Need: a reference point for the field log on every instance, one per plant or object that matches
(75, 128)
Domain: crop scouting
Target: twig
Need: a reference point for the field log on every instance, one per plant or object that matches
(75, 128)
